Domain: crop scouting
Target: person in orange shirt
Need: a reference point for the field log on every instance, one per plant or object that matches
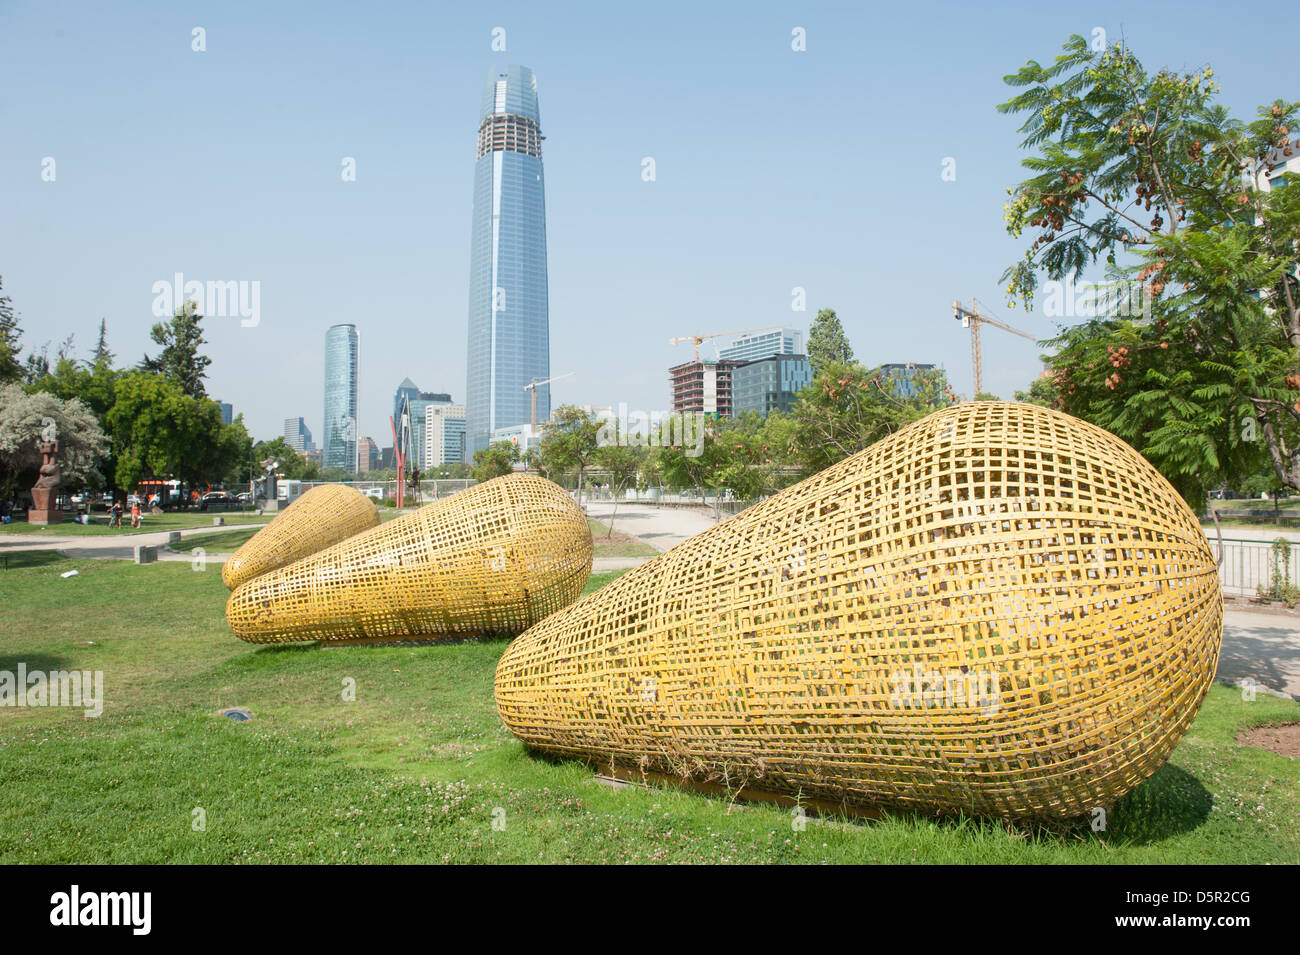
(135, 514)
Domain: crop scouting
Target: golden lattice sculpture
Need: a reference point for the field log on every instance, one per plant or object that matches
(493, 559)
(321, 517)
(999, 609)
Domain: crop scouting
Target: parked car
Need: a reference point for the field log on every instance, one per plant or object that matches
(218, 501)
(244, 497)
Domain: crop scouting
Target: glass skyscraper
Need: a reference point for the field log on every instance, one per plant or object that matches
(339, 443)
(509, 332)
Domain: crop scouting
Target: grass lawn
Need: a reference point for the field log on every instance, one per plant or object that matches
(217, 542)
(151, 523)
(419, 766)
(614, 544)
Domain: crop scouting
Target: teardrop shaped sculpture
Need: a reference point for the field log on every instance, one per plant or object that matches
(320, 517)
(493, 559)
(997, 610)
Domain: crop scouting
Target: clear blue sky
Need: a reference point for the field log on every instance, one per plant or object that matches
(775, 169)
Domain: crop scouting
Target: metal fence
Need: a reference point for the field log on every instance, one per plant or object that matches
(1247, 565)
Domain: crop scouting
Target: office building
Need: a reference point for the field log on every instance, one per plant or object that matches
(769, 384)
(415, 406)
(903, 377)
(367, 456)
(755, 345)
(297, 435)
(342, 354)
(227, 412)
(509, 335)
(444, 435)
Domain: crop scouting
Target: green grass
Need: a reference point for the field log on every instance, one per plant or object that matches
(414, 770)
(619, 544)
(217, 542)
(151, 523)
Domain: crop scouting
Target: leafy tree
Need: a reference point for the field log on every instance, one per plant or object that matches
(827, 343)
(987, 396)
(180, 360)
(159, 431)
(848, 407)
(26, 419)
(1042, 391)
(37, 365)
(10, 334)
(569, 443)
(1200, 378)
(496, 460)
(623, 464)
(293, 466)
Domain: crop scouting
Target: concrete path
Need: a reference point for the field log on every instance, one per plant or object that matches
(660, 527)
(116, 546)
(1263, 647)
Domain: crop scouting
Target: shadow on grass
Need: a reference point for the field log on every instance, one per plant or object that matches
(1170, 803)
(44, 662)
(25, 559)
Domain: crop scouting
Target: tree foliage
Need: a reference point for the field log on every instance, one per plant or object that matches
(28, 418)
(1149, 176)
(827, 343)
(180, 360)
(496, 460)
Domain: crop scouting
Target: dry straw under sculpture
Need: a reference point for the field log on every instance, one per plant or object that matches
(999, 609)
(493, 559)
(324, 515)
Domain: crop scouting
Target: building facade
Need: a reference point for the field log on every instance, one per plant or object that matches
(509, 331)
(416, 408)
(903, 377)
(703, 386)
(769, 384)
(227, 412)
(444, 435)
(342, 355)
(297, 435)
(756, 345)
(367, 456)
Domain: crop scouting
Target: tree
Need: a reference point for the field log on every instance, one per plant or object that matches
(159, 431)
(27, 419)
(1042, 391)
(623, 463)
(569, 442)
(102, 355)
(180, 360)
(10, 335)
(1201, 375)
(293, 466)
(496, 460)
(848, 407)
(986, 396)
(827, 343)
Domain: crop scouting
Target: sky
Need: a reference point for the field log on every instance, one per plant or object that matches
(775, 169)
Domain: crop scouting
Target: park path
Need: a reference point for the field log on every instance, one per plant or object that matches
(116, 546)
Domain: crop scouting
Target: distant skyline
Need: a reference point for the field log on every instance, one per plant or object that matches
(773, 170)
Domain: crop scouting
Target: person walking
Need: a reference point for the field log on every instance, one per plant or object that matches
(115, 515)
(135, 513)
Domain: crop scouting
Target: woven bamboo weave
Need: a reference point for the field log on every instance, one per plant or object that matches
(324, 515)
(999, 609)
(493, 559)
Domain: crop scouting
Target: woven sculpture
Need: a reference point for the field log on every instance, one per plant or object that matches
(493, 559)
(323, 516)
(999, 609)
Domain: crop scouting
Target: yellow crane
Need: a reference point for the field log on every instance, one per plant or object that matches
(973, 318)
(697, 337)
(535, 384)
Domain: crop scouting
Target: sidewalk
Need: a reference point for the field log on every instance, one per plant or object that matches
(112, 546)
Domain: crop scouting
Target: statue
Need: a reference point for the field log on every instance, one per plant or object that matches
(44, 496)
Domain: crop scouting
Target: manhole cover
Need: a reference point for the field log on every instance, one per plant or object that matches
(237, 713)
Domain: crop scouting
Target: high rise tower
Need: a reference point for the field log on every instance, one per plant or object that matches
(339, 442)
(509, 329)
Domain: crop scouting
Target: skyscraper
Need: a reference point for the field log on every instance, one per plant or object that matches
(509, 334)
(339, 442)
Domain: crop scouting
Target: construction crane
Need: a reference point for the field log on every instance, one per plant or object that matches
(535, 384)
(972, 317)
(697, 337)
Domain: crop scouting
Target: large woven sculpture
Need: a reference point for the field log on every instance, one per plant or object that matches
(998, 610)
(493, 559)
(325, 515)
